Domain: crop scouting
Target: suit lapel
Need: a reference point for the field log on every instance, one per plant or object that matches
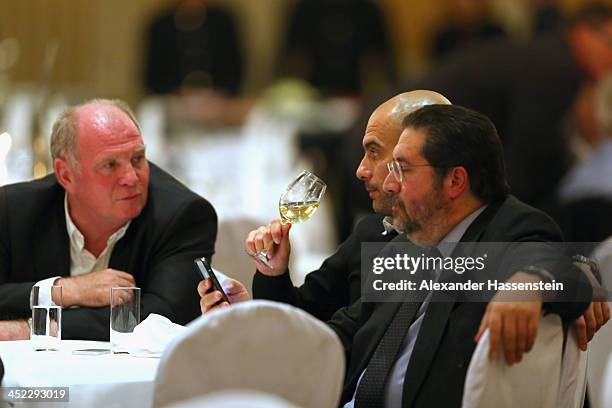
(120, 258)
(435, 321)
(52, 249)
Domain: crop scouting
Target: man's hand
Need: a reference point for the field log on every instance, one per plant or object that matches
(274, 239)
(14, 330)
(590, 322)
(209, 301)
(93, 289)
(515, 324)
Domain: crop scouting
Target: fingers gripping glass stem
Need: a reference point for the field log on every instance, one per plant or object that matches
(297, 203)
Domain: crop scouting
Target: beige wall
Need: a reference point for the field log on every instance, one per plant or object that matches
(100, 41)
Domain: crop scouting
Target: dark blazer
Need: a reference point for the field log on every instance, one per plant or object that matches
(336, 284)
(175, 226)
(444, 346)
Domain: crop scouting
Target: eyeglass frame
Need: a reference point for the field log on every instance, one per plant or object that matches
(395, 168)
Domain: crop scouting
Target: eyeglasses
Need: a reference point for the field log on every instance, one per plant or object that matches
(395, 167)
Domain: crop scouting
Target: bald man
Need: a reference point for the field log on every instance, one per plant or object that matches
(106, 218)
(337, 283)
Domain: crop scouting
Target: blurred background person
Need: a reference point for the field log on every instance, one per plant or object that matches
(193, 52)
(341, 47)
(193, 45)
(547, 16)
(467, 23)
(586, 191)
(527, 90)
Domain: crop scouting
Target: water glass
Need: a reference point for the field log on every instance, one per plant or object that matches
(46, 325)
(124, 317)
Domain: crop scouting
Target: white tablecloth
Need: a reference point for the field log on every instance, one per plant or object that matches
(94, 381)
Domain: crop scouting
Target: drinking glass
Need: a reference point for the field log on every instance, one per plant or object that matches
(124, 317)
(297, 203)
(46, 326)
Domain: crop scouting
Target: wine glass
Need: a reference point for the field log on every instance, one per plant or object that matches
(297, 203)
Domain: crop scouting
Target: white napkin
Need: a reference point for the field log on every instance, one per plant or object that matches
(152, 335)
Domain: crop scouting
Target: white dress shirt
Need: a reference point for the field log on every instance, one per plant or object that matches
(81, 260)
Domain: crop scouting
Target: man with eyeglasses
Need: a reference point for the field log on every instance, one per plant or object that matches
(448, 182)
(337, 282)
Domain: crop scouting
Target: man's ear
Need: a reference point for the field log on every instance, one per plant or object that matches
(64, 173)
(456, 182)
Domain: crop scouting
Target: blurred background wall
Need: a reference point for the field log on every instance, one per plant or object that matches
(101, 41)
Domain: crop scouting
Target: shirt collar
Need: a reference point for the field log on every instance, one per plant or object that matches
(76, 237)
(451, 239)
(389, 227)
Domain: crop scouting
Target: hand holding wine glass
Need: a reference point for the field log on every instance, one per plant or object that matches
(297, 204)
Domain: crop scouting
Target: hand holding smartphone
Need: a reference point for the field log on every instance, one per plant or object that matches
(206, 272)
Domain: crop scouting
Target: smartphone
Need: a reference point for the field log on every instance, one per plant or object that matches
(203, 267)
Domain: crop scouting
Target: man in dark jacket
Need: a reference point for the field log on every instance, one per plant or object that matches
(105, 218)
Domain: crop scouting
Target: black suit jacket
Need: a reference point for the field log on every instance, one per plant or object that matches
(336, 284)
(445, 343)
(158, 249)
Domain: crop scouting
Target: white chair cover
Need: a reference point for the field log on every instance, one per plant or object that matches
(258, 345)
(235, 399)
(230, 256)
(572, 385)
(600, 349)
(534, 382)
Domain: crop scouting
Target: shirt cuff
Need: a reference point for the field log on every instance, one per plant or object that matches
(45, 295)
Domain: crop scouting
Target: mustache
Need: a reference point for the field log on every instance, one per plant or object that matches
(395, 200)
(369, 186)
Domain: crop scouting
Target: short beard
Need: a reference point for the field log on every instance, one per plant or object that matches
(384, 204)
(428, 224)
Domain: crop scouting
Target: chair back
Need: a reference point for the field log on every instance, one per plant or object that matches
(260, 346)
(534, 382)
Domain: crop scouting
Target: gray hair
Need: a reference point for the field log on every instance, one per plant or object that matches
(64, 132)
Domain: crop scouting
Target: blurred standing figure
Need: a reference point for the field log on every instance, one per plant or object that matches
(526, 90)
(193, 46)
(547, 16)
(337, 44)
(586, 191)
(467, 23)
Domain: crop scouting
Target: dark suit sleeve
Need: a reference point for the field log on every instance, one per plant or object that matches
(345, 322)
(541, 249)
(14, 297)
(326, 289)
(169, 287)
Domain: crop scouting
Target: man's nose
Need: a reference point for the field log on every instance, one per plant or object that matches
(363, 173)
(391, 185)
(129, 176)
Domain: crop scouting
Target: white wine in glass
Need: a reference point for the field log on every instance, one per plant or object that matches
(298, 203)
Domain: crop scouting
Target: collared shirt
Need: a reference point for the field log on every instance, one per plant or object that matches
(81, 260)
(389, 227)
(395, 383)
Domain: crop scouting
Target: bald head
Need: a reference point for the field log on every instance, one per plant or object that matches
(397, 108)
(382, 133)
